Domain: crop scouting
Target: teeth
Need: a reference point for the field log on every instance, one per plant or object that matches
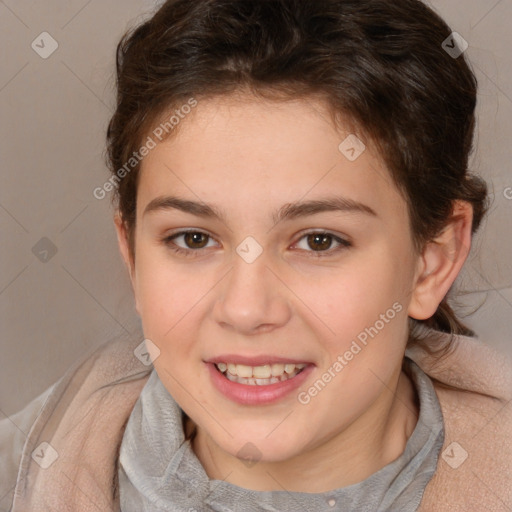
(244, 371)
(288, 368)
(259, 375)
(277, 369)
(232, 378)
(260, 372)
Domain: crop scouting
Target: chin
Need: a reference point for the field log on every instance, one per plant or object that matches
(254, 447)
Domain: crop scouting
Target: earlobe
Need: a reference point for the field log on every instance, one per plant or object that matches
(440, 263)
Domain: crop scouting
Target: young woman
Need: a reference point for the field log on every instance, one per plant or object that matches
(293, 206)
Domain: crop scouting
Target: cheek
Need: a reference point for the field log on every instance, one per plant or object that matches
(349, 299)
(167, 295)
(365, 309)
(169, 306)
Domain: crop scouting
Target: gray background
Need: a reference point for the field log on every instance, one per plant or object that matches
(54, 117)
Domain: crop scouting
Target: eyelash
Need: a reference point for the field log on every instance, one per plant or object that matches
(191, 253)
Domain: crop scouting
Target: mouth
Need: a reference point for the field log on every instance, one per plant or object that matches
(264, 383)
(263, 375)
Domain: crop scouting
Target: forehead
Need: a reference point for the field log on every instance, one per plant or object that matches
(248, 154)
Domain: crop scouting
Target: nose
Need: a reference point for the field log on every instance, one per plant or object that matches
(252, 299)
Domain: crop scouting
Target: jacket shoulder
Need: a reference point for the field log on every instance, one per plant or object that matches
(473, 383)
(474, 468)
(14, 431)
(103, 367)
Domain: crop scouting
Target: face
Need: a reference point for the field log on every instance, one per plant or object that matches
(295, 275)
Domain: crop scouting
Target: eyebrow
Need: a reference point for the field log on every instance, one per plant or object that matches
(286, 212)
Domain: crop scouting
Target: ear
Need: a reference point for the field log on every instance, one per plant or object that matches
(124, 248)
(440, 263)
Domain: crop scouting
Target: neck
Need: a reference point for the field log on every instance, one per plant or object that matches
(375, 439)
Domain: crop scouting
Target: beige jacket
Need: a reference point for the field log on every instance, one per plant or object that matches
(60, 452)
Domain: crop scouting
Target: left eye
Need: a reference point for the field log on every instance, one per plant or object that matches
(193, 240)
(323, 241)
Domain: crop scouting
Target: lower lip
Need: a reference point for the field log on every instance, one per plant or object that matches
(256, 395)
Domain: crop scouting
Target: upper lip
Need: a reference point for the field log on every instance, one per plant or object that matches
(254, 360)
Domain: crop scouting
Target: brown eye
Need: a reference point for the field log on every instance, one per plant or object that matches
(195, 239)
(188, 243)
(320, 241)
(322, 244)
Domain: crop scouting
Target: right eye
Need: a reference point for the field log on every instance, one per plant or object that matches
(193, 241)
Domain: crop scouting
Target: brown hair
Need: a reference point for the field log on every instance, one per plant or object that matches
(380, 63)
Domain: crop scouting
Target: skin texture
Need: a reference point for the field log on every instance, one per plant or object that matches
(249, 157)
